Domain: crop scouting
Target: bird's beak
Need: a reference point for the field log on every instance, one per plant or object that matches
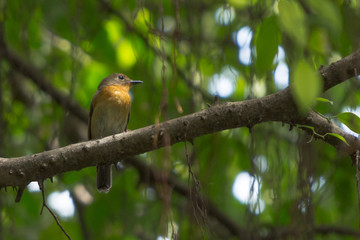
(134, 82)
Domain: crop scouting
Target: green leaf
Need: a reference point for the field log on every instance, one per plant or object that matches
(351, 120)
(306, 86)
(292, 20)
(339, 137)
(266, 43)
(319, 99)
(319, 41)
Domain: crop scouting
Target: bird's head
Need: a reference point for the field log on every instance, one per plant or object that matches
(118, 79)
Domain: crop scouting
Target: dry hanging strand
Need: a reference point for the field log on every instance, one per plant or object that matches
(357, 180)
(357, 173)
(196, 197)
(166, 190)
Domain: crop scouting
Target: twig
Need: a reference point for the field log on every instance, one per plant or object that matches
(41, 186)
(20, 193)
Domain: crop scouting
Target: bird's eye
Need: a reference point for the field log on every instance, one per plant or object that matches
(121, 77)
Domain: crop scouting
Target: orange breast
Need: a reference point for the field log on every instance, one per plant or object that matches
(111, 107)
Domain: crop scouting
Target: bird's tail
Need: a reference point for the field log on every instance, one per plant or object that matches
(103, 179)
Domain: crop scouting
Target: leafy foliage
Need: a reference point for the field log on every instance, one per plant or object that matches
(183, 51)
(351, 120)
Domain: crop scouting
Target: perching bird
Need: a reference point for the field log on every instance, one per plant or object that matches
(109, 114)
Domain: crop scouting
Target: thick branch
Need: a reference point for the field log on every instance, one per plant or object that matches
(275, 107)
(341, 70)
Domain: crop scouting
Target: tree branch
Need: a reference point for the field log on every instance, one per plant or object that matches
(341, 70)
(35, 75)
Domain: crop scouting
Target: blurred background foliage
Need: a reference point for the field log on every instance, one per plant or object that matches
(270, 182)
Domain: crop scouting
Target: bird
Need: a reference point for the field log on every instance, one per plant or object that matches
(109, 114)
